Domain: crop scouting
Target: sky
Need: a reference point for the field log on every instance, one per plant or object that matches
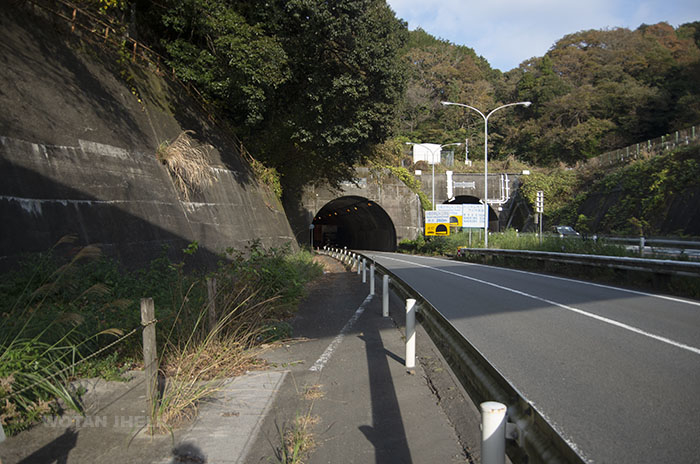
(508, 32)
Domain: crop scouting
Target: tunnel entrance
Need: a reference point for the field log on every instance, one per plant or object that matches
(470, 200)
(354, 222)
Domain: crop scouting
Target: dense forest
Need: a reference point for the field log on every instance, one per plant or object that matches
(312, 88)
(593, 91)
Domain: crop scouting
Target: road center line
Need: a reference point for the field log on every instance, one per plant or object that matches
(321, 362)
(606, 320)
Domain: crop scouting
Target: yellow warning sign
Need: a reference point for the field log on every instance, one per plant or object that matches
(437, 229)
(455, 220)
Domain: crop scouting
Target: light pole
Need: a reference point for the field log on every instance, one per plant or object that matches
(486, 154)
(432, 155)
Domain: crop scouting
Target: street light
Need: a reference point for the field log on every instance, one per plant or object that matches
(486, 154)
(432, 155)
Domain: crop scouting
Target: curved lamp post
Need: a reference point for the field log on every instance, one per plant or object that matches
(486, 154)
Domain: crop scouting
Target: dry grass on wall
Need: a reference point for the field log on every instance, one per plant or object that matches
(188, 163)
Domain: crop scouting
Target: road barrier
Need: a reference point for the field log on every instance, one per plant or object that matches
(532, 439)
(655, 266)
(493, 432)
(385, 295)
(410, 333)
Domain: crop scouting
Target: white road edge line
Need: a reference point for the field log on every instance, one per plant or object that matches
(326, 356)
(683, 346)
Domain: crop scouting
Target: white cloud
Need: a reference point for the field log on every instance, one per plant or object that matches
(507, 32)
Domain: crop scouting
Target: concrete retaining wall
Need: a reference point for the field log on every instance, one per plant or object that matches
(125, 201)
(79, 129)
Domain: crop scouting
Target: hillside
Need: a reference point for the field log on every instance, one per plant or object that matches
(593, 91)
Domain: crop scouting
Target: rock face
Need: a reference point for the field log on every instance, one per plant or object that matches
(78, 154)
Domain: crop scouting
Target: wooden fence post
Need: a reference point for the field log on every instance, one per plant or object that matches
(211, 294)
(150, 358)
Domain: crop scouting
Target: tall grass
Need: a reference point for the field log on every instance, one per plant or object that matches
(41, 338)
(58, 310)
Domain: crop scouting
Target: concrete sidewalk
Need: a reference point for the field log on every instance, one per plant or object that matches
(364, 404)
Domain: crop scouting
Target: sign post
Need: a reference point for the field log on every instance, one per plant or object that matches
(539, 204)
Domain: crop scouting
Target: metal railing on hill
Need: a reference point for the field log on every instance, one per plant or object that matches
(646, 149)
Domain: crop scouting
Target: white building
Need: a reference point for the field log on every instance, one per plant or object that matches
(428, 152)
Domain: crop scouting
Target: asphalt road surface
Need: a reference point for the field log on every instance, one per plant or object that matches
(615, 371)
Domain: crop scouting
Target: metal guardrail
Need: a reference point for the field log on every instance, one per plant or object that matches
(536, 440)
(646, 149)
(656, 266)
(656, 246)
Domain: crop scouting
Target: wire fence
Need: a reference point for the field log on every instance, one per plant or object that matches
(646, 149)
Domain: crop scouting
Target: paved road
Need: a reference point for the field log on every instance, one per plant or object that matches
(616, 372)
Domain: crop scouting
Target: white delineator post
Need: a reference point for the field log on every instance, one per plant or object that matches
(385, 295)
(371, 279)
(364, 270)
(493, 432)
(410, 333)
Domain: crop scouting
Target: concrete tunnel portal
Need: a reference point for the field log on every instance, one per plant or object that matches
(356, 223)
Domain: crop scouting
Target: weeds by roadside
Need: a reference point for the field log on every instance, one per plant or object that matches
(297, 437)
(59, 311)
(509, 240)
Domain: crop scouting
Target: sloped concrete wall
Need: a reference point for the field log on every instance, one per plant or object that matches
(125, 201)
(79, 130)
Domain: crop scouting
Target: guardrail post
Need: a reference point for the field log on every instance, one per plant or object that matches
(410, 333)
(385, 295)
(364, 270)
(641, 245)
(493, 433)
(371, 279)
(150, 358)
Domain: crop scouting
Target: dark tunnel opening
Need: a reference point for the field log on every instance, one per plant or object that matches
(354, 222)
(470, 200)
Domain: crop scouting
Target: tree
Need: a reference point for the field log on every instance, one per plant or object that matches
(599, 90)
(345, 82)
(236, 65)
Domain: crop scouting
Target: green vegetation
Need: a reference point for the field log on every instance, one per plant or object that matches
(62, 314)
(310, 87)
(509, 240)
(645, 197)
(646, 193)
(512, 240)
